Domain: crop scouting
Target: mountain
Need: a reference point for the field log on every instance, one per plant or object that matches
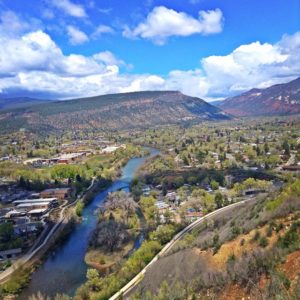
(19, 102)
(114, 111)
(279, 99)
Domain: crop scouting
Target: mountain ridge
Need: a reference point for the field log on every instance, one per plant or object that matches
(278, 99)
(20, 102)
(114, 111)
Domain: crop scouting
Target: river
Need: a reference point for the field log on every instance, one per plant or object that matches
(64, 270)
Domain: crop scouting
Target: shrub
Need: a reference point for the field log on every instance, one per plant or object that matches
(269, 231)
(263, 242)
(256, 236)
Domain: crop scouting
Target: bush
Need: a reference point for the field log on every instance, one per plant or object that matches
(235, 231)
(79, 208)
(263, 242)
(269, 231)
(256, 236)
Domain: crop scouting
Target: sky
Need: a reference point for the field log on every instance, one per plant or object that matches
(212, 49)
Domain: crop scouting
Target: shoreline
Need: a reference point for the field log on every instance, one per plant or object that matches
(64, 228)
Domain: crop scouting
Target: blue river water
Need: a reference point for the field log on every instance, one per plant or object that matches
(65, 270)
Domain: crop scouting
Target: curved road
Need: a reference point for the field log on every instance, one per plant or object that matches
(25, 258)
(133, 282)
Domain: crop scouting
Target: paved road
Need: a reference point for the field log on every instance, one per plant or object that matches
(4, 276)
(131, 284)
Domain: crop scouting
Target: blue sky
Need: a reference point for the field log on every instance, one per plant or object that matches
(206, 48)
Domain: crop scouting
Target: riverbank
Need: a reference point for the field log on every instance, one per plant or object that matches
(56, 274)
(119, 217)
(104, 262)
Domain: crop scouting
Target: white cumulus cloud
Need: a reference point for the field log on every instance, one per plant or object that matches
(102, 29)
(31, 62)
(70, 8)
(162, 23)
(252, 65)
(76, 36)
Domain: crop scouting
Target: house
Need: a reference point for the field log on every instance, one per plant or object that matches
(10, 253)
(295, 168)
(59, 193)
(193, 216)
(146, 191)
(249, 192)
(171, 196)
(162, 206)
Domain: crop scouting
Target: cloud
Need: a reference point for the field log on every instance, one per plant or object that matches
(162, 23)
(36, 51)
(12, 25)
(76, 36)
(48, 14)
(253, 65)
(102, 29)
(70, 8)
(32, 63)
(108, 58)
(191, 82)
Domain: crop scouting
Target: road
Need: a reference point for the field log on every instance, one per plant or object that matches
(4, 276)
(131, 284)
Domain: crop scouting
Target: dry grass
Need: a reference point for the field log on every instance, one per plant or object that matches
(104, 261)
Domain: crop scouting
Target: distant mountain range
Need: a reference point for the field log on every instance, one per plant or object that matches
(143, 109)
(279, 99)
(115, 111)
(19, 102)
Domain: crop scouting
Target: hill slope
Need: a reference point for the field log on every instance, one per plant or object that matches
(279, 99)
(238, 254)
(115, 111)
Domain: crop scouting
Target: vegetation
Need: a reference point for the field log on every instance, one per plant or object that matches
(8, 239)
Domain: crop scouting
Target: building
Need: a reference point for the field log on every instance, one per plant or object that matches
(26, 207)
(171, 196)
(59, 193)
(162, 206)
(111, 149)
(295, 168)
(146, 191)
(52, 201)
(67, 158)
(36, 214)
(193, 216)
(10, 253)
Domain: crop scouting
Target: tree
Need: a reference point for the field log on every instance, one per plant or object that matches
(109, 236)
(6, 232)
(219, 200)
(163, 234)
(286, 147)
(22, 182)
(214, 185)
(185, 160)
(266, 148)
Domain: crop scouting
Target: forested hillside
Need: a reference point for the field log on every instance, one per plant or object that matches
(116, 111)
